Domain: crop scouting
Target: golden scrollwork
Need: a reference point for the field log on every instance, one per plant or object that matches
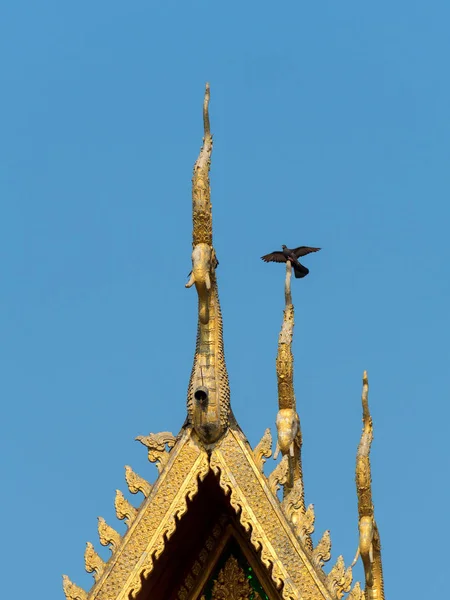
(293, 505)
(232, 583)
(302, 519)
(155, 522)
(263, 450)
(73, 591)
(92, 562)
(356, 593)
(136, 483)
(124, 509)
(305, 525)
(261, 516)
(279, 475)
(198, 567)
(339, 579)
(156, 444)
(108, 536)
(322, 552)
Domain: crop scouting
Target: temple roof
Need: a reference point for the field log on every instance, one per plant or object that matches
(277, 530)
(212, 494)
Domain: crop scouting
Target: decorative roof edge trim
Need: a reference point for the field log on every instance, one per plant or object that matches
(155, 523)
(249, 495)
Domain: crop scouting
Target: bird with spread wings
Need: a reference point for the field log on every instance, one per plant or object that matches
(292, 255)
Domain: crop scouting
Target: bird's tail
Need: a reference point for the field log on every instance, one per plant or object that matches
(300, 271)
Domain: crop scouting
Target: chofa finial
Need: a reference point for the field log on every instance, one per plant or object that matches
(208, 394)
(369, 547)
(288, 422)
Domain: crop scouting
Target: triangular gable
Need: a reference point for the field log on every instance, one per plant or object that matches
(155, 522)
(260, 514)
(225, 541)
(234, 575)
(290, 565)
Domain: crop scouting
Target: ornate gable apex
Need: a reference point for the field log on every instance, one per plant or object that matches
(277, 531)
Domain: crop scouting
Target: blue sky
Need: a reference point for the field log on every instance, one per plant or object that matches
(331, 128)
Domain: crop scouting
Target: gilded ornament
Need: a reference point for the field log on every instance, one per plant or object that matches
(339, 579)
(293, 507)
(199, 565)
(201, 200)
(369, 547)
(263, 450)
(92, 562)
(136, 483)
(288, 422)
(285, 359)
(156, 523)
(72, 591)
(124, 510)
(259, 513)
(279, 475)
(322, 552)
(208, 401)
(305, 524)
(288, 428)
(232, 583)
(356, 593)
(108, 536)
(156, 444)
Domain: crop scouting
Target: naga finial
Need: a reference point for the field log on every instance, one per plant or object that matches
(369, 547)
(288, 422)
(208, 394)
(201, 194)
(203, 256)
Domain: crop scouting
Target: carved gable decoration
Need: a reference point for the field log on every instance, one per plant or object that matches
(232, 583)
(237, 488)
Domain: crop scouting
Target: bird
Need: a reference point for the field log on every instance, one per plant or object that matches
(292, 255)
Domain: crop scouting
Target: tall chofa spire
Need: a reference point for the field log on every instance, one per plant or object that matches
(208, 400)
(369, 538)
(288, 422)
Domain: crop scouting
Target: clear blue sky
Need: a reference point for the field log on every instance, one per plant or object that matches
(331, 124)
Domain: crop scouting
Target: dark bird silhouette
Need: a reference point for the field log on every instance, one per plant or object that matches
(292, 255)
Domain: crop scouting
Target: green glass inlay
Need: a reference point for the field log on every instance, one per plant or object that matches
(233, 549)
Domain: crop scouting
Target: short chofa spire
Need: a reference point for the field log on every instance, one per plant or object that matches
(289, 440)
(369, 538)
(288, 422)
(208, 399)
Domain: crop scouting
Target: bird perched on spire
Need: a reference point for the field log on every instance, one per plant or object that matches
(292, 255)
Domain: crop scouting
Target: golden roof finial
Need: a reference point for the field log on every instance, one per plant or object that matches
(369, 538)
(208, 393)
(288, 422)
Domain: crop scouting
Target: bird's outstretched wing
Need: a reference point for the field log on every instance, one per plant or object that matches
(274, 257)
(304, 250)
